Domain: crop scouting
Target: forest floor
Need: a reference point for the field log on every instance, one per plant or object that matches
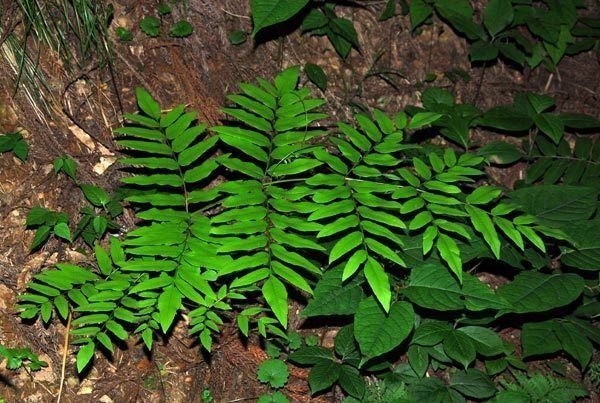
(199, 71)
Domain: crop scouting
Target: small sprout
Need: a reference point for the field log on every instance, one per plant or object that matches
(67, 165)
(181, 29)
(238, 37)
(21, 357)
(124, 34)
(150, 26)
(14, 142)
(163, 9)
(274, 372)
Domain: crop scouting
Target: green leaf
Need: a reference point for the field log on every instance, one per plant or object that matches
(270, 12)
(432, 286)
(146, 103)
(482, 51)
(84, 356)
(276, 296)
(316, 75)
(62, 230)
(276, 397)
(487, 342)
(586, 236)
(41, 236)
(419, 12)
(332, 297)
(479, 296)
(498, 15)
(432, 389)
(574, 343)
(169, 302)
(238, 37)
(181, 29)
(483, 224)
(345, 245)
(536, 292)
(388, 12)
(551, 125)
(379, 282)
(323, 375)
(430, 333)
(460, 348)
(450, 253)
(311, 355)
(473, 383)
(98, 197)
(507, 118)
(423, 119)
(351, 381)
(37, 216)
(273, 372)
(579, 121)
(418, 359)
(151, 27)
(555, 205)
(378, 332)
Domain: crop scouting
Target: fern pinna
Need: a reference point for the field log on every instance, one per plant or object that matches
(295, 199)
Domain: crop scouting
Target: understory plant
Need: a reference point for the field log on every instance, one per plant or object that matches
(525, 33)
(393, 238)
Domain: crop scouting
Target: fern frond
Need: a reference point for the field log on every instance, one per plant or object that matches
(540, 388)
(263, 225)
(551, 163)
(355, 204)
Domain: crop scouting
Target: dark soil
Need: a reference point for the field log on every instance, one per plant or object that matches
(199, 71)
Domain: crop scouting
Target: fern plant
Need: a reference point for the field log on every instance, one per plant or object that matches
(164, 266)
(263, 226)
(551, 163)
(297, 199)
(540, 388)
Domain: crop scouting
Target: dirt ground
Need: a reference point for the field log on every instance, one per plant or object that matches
(199, 71)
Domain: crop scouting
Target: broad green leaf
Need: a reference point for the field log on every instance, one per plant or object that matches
(432, 389)
(419, 12)
(499, 152)
(345, 245)
(551, 125)
(556, 205)
(323, 375)
(351, 381)
(98, 197)
(450, 253)
(269, 12)
(536, 292)
(460, 348)
(507, 118)
(432, 286)
(316, 75)
(332, 297)
(498, 14)
(473, 383)
(311, 355)
(378, 332)
(422, 119)
(487, 342)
